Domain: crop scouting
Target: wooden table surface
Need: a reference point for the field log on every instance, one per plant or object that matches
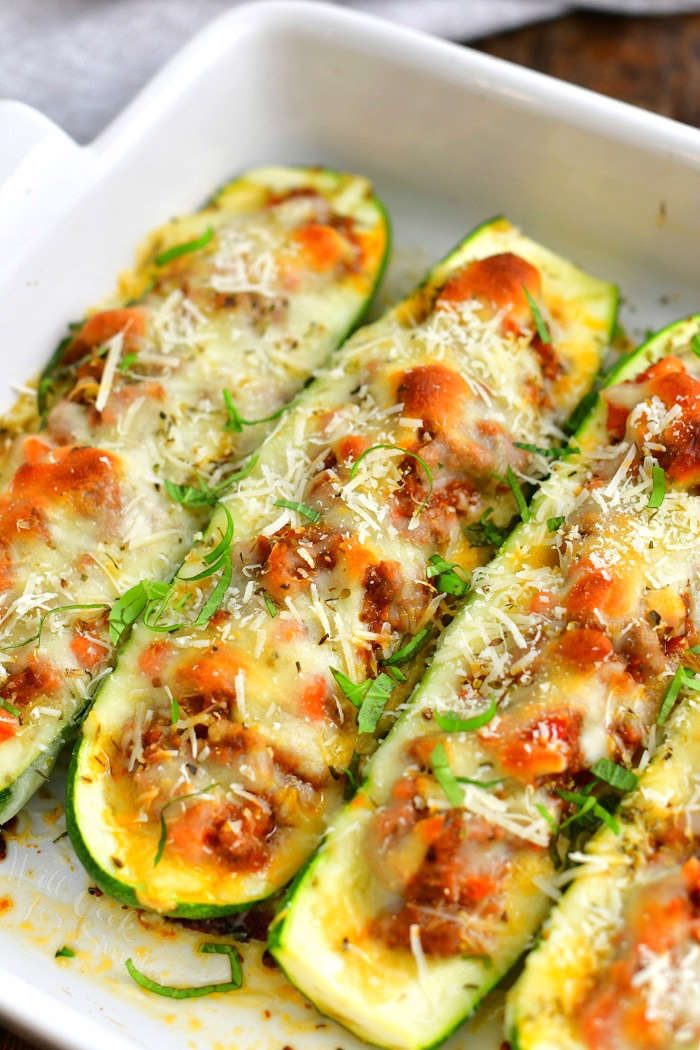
(651, 62)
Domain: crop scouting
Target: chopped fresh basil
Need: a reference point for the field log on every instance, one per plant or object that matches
(485, 784)
(587, 804)
(617, 776)
(199, 990)
(203, 495)
(695, 344)
(684, 678)
(235, 420)
(442, 772)
(374, 702)
(144, 597)
(445, 576)
(369, 696)
(174, 712)
(217, 553)
(10, 708)
(658, 491)
(216, 597)
(452, 723)
(351, 691)
(300, 508)
(413, 455)
(64, 953)
(555, 523)
(544, 812)
(163, 258)
(521, 503)
(484, 532)
(556, 452)
(163, 838)
(352, 776)
(270, 605)
(542, 330)
(127, 361)
(50, 612)
(409, 650)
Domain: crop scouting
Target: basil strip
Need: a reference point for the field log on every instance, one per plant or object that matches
(300, 508)
(163, 838)
(203, 495)
(127, 609)
(542, 330)
(413, 455)
(369, 696)
(560, 452)
(684, 678)
(555, 523)
(409, 650)
(658, 491)
(374, 702)
(452, 723)
(512, 482)
(64, 953)
(49, 612)
(163, 258)
(444, 775)
(448, 580)
(235, 420)
(10, 708)
(351, 691)
(617, 776)
(544, 812)
(220, 550)
(203, 989)
(485, 533)
(217, 595)
(586, 804)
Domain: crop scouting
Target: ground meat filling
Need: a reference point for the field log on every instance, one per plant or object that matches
(446, 869)
(645, 998)
(596, 670)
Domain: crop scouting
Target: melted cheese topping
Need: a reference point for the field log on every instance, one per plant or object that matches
(394, 452)
(578, 640)
(136, 398)
(575, 636)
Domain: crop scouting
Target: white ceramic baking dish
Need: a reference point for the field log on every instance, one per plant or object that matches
(450, 137)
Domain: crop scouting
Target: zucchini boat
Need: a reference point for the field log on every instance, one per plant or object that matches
(216, 754)
(248, 295)
(551, 676)
(619, 962)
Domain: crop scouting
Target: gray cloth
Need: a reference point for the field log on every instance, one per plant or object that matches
(81, 61)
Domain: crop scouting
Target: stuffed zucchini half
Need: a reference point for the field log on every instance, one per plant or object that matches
(217, 753)
(247, 296)
(619, 962)
(544, 690)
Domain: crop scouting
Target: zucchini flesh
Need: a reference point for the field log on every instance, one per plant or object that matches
(444, 882)
(378, 468)
(251, 294)
(618, 963)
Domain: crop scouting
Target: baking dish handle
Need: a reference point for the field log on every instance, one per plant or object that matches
(41, 168)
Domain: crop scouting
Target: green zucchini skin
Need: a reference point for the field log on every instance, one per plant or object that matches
(32, 767)
(599, 298)
(297, 938)
(570, 956)
(47, 375)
